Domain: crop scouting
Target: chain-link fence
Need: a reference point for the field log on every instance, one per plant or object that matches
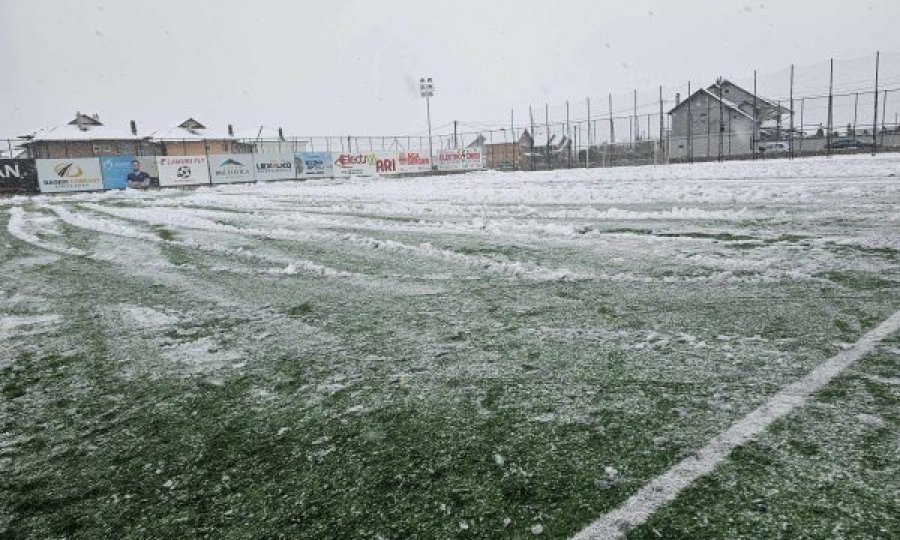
(831, 107)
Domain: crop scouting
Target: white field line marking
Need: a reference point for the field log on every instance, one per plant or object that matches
(664, 488)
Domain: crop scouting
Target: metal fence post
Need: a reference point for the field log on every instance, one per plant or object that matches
(547, 125)
(587, 152)
(756, 117)
(829, 133)
(792, 112)
(533, 136)
(690, 126)
(875, 117)
(661, 126)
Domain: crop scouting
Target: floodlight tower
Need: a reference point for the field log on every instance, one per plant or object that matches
(426, 88)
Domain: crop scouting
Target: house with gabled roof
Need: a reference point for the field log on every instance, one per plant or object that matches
(86, 136)
(508, 155)
(722, 119)
(766, 110)
(192, 138)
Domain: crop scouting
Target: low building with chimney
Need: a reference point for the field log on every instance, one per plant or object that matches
(509, 155)
(191, 138)
(723, 119)
(87, 136)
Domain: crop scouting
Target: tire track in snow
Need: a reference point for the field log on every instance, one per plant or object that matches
(513, 269)
(17, 226)
(106, 226)
(663, 489)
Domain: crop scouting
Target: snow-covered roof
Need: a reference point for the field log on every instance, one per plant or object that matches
(761, 101)
(70, 132)
(726, 103)
(729, 104)
(180, 133)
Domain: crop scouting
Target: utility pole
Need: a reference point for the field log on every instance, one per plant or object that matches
(455, 125)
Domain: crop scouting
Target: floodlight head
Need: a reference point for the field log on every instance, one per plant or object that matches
(426, 87)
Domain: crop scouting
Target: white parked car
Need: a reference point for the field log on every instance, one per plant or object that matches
(773, 147)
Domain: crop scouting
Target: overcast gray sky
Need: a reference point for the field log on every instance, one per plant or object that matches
(340, 67)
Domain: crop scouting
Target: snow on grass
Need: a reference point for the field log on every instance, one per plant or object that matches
(666, 487)
(27, 227)
(349, 358)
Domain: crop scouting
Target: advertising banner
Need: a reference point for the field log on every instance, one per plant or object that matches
(182, 170)
(313, 165)
(18, 176)
(460, 159)
(372, 164)
(231, 168)
(136, 172)
(412, 162)
(354, 164)
(275, 166)
(62, 175)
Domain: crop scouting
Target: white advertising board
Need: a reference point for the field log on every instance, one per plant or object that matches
(354, 164)
(313, 165)
(275, 166)
(182, 170)
(412, 162)
(231, 168)
(62, 175)
(460, 159)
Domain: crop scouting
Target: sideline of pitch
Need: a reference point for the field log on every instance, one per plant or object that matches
(665, 488)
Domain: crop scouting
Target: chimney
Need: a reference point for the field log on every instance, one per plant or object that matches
(677, 99)
(96, 116)
(78, 121)
(230, 130)
(280, 134)
(134, 128)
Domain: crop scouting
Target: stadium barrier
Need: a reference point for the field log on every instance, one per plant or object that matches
(66, 175)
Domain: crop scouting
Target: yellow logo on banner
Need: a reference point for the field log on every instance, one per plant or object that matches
(68, 170)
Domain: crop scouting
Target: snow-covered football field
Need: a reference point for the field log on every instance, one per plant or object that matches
(489, 355)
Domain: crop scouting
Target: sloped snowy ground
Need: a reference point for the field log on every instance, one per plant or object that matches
(467, 356)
